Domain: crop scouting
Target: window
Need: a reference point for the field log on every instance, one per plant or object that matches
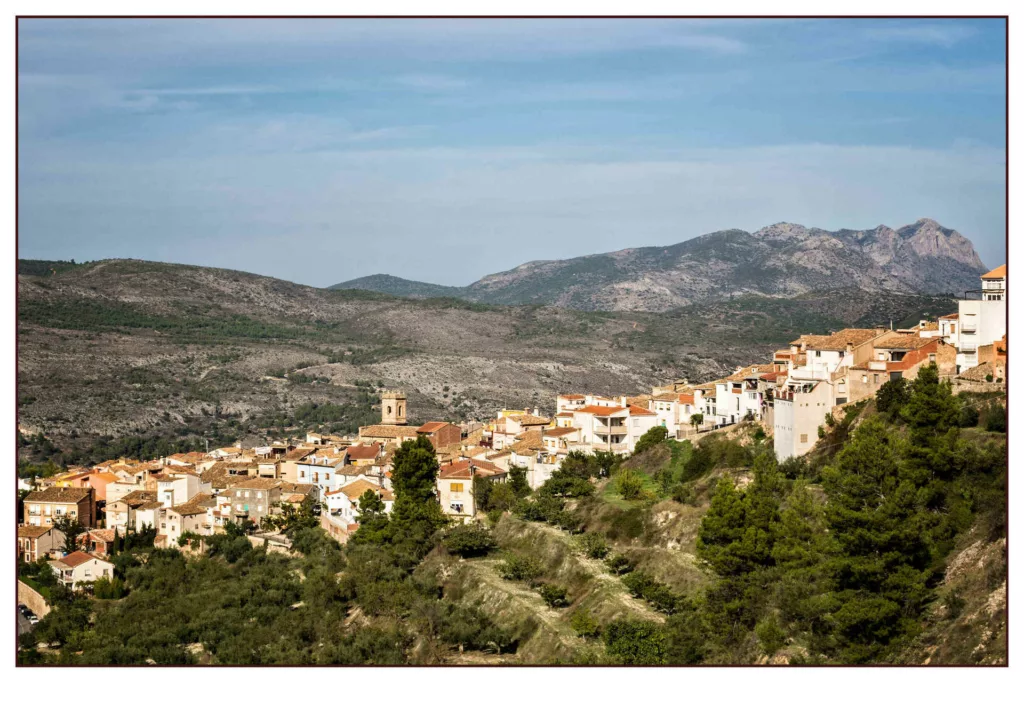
(456, 488)
(876, 379)
(817, 353)
(803, 438)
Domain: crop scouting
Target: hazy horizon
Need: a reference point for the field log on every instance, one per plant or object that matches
(443, 150)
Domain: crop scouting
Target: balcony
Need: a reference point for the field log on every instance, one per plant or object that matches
(610, 429)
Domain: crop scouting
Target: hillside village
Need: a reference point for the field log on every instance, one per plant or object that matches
(792, 396)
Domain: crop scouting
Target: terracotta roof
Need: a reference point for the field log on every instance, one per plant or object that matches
(258, 483)
(837, 340)
(431, 426)
(297, 454)
(564, 414)
(561, 431)
(456, 469)
(950, 316)
(634, 410)
(56, 494)
(903, 342)
(385, 431)
(572, 396)
(995, 273)
(357, 488)
(530, 419)
(686, 398)
(370, 451)
(33, 531)
(195, 505)
(138, 496)
(104, 534)
(76, 558)
(600, 411)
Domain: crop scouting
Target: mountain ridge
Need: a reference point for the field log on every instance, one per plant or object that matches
(779, 260)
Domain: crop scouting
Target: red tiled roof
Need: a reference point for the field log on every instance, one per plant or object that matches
(431, 426)
(996, 273)
(73, 560)
(634, 410)
(363, 452)
(600, 411)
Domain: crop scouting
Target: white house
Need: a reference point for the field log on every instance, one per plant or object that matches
(799, 409)
(982, 322)
(78, 568)
(322, 470)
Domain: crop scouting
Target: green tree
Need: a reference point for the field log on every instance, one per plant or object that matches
(630, 485)
(584, 623)
(71, 528)
(469, 541)
(892, 396)
(654, 436)
(517, 481)
(417, 514)
(635, 642)
(696, 420)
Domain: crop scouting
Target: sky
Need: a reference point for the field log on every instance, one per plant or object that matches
(319, 151)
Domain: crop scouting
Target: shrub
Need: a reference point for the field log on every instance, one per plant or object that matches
(469, 541)
(968, 416)
(519, 567)
(635, 642)
(109, 589)
(630, 485)
(593, 545)
(555, 595)
(653, 437)
(585, 624)
(770, 636)
(646, 587)
(619, 564)
(995, 418)
(684, 493)
(988, 377)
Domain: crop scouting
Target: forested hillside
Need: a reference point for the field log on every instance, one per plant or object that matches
(884, 545)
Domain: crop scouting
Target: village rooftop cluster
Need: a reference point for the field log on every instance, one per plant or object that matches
(199, 493)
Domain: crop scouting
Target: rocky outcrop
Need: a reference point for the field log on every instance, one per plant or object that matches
(780, 260)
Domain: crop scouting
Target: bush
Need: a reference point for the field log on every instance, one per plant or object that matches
(555, 595)
(968, 416)
(770, 636)
(644, 586)
(988, 377)
(684, 493)
(635, 642)
(630, 485)
(469, 541)
(109, 589)
(593, 545)
(619, 564)
(585, 624)
(519, 567)
(995, 418)
(653, 437)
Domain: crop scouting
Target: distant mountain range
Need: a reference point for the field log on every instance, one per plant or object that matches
(781, 260)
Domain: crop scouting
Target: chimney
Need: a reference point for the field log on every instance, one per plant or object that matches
(536, 411)
(622, 401)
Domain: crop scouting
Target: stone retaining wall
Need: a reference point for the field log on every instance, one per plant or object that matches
(35, 602)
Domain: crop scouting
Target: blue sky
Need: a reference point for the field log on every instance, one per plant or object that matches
(441, 150)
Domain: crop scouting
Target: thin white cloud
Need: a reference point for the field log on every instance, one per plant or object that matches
(944, 34)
